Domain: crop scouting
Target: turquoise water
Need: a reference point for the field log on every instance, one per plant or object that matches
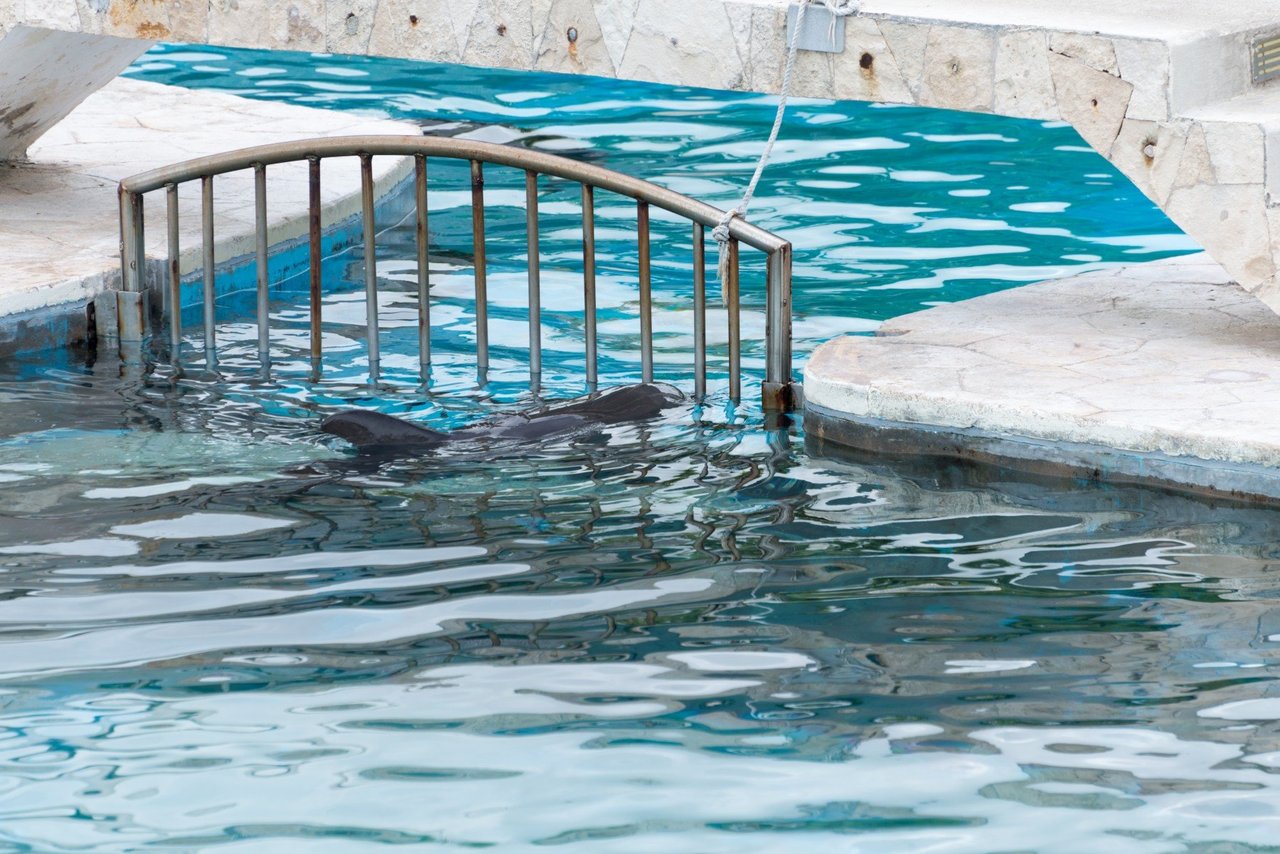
(220, 630)
(891, 209)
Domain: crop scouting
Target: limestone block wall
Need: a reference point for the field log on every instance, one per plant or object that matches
(1164, 93)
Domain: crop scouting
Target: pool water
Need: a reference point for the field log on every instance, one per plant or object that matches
(890, 209)
(224, 631)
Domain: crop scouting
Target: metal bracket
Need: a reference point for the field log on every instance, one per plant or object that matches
(781, 397)
(105, 315)
(823, 31)
(131, 316)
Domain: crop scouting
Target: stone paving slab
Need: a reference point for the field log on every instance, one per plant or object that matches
(59, 220)
(1166, 361)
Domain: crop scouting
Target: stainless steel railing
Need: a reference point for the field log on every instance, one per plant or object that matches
(778, 392)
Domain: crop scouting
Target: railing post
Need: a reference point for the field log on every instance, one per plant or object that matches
(175, 276)
(589, 283)
(646, 295)
(733, 308)
(699, 310)
(370, 264)
(424, 270)
(535, 280)
(315, 258)
(778, 392)
(481, 271)
(132, 244)
(131, 307)
(260, 235)
(206, 225)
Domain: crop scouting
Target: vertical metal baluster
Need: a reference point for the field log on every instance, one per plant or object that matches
(206, 213)
(424, 284)
(646, 298)
(481, 277)
(370, 264)
(260, 233)
(589, 281)
(175, 275)
(130, 313)
(131, 320)
(535, 281)
(777, 387)
(132, 242)
(699, 310)
(735, 333)
(313, 234)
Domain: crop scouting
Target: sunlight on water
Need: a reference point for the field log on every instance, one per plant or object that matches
(222, 629)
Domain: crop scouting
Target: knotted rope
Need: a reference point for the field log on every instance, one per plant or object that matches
(838, 9)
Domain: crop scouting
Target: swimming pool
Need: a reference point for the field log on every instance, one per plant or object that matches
(689, 635)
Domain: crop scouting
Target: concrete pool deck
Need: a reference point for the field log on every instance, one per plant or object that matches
(1163, 372)
(59, 214)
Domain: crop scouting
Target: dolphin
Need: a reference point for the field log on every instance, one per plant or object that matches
(377, 432)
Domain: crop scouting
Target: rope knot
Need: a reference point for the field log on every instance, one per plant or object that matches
(720, 234)
(841, 8)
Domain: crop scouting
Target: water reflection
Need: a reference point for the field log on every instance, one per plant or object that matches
(684, 634)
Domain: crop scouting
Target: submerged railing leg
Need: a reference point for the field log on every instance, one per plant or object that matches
(535, 281)
(370, 264)
(589, 282)
(778, 392)
(132, 241)
(646, 296)
(481, 277)
(260, 233)
(424, 284)
(206, 214)
(315, 259)
(130, 307)
(699, 310)
(174, 303)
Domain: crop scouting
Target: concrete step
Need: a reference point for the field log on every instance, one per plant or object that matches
(1236, 126)
(1160, 372)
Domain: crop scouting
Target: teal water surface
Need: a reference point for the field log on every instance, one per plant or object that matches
(891, 209)
(222, 630)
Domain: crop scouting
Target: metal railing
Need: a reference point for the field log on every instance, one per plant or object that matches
(777, 388)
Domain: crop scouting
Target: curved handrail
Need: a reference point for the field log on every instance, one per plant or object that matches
(462, 149)
(778, 389)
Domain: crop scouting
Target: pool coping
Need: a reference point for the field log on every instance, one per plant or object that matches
(1162, 373)
(832, 434)
(62, 221)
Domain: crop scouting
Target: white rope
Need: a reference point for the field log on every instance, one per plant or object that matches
(838, 9)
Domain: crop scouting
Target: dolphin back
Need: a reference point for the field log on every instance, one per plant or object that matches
(621, 405)
(375, 431)
(366, 429)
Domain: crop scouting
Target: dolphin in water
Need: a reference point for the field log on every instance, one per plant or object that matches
(378, 432)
